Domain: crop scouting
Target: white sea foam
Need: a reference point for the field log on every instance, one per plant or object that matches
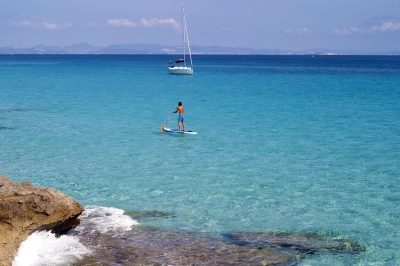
(44, 248)
(106, 220)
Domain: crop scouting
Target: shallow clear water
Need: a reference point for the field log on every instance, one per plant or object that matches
(284, 143)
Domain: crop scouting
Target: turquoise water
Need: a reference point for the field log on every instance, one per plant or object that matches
(285, 143)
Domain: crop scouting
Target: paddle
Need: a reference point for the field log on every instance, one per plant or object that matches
(162, 127)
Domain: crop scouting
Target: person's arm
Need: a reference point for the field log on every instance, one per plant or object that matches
(176, 110)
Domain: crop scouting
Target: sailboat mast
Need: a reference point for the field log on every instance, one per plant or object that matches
(184, 35)
(186, 38)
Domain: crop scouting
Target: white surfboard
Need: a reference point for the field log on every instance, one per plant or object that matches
(167, 129)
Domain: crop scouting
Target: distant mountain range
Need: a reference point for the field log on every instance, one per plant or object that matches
(138, 48)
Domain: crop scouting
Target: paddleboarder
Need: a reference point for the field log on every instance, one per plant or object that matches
(181, 119)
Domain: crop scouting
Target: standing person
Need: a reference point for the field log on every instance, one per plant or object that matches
(181, 119)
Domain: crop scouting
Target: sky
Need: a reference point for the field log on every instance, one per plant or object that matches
(295, 25)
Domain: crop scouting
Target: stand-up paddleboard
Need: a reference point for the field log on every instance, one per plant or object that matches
(167, 129)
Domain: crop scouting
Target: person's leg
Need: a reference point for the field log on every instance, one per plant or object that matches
(183, 123)
(180, 122)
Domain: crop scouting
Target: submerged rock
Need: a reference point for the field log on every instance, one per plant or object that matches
(308, 243)
(152, 246)
(25, 208)
(147, 214)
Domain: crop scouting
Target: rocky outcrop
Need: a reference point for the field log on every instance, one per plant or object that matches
(25, 208)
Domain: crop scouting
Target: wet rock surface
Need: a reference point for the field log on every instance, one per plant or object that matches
(25, 208)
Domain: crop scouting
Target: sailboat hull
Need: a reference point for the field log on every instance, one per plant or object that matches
(180, 70)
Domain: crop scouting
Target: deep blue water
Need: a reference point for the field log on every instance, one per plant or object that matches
(285, 143)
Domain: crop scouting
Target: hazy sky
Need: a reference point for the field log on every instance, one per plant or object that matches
(369, 25)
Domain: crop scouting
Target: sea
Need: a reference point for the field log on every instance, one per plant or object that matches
(286, 145)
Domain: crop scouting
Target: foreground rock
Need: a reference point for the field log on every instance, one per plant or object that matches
(25, 208)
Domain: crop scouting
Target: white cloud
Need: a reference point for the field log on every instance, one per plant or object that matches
(346, 31)
(55, 26)
(288, 31)
(50, 26)
(121, 23)
(44, 25)
(386, 26)
(306, 31)
(26, 24)
(383, 27)
(154, 22)
(303, 30)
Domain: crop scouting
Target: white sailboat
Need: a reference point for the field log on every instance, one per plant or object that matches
(180, 67)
